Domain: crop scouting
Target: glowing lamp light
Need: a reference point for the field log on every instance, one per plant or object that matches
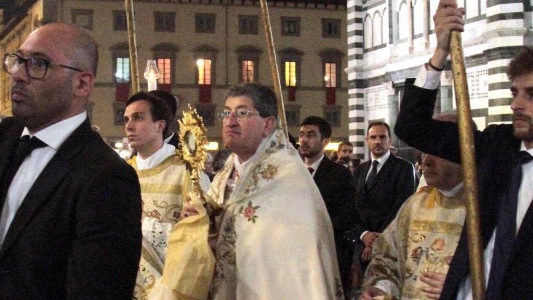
(151, 74)
(332, 146)
(211, 146)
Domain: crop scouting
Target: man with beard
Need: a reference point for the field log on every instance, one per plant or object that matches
(335, 183)
(382, 184)
(70, 223)
(502, 151)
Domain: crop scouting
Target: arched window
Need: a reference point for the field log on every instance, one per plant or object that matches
(376, 30)
(403, 20)
(368, 32)
(385, 26)
(418, 17)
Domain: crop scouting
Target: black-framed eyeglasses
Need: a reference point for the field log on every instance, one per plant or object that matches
(35, 67)
(239, 113)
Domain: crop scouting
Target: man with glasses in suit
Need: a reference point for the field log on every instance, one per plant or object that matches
(70, 206)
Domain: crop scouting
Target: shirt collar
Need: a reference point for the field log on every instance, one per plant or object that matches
(55, 134)
(382, 159)
(316, 163)
(155, 159)
(523, 148)
(167, 140)
(453, 191)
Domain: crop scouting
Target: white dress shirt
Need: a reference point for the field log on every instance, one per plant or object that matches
(381, 161)
(315, 165)
(53, 136)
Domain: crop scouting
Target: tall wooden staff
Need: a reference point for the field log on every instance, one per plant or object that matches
(274, 65)
(468, 160)
(132, 41)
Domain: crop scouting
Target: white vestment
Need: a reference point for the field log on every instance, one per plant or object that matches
(275, 238)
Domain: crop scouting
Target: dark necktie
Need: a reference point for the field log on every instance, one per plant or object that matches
(310, 170)
(506, 230)
(373, 173)
(24, 147)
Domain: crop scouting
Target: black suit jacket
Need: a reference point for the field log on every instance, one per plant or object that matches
(335, 183)
(77, 234)
(377, 206)
(496, 152)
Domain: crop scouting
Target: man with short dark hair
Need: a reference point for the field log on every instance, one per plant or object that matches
(71, 208)
(163, 176)
(335, 184)
(275, 238)
(382, 184)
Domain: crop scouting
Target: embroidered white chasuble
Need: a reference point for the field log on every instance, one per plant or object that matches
(275, 238)
(161, 191)
(423, 237)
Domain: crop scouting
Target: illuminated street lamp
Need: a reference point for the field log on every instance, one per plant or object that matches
(151, 74)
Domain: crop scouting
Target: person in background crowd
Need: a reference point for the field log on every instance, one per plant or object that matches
(382, 185)
(345, 149)
(220, 159)
(335, 184)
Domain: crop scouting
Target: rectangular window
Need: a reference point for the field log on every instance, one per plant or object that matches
(331, 28)
(165, 21)
(119, 20)
(204, 71)
(290, 26)
(205, 23)
(248, 71)
(164, 66)
(330, 76)
(248, 24)
(122, 73)
(290, 73)
(83, 18)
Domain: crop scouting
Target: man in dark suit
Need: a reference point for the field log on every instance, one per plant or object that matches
(382, 184)
(498, 148)
(70, 213)
(334, 182)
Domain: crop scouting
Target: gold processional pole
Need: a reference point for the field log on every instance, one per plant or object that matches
(274, 66)
(132, 41)
(468, 160)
